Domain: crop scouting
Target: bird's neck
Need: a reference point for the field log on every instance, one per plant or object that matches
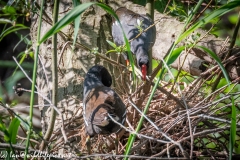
(142, 53)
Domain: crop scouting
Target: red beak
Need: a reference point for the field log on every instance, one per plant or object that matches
(144, 72)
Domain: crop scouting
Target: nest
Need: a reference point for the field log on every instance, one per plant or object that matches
(184, 119)
(182, 122)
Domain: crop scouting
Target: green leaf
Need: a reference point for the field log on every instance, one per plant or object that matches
(9, 10)
(5, 131)
(12, 29)
(23, 38)
(233, 128)
(31, 54)
(13, 130)
(3, 127)
(76, 22)
(110, 51)
(68, 18)
(23, 56)
(3, 20)
(172, 57)
(215, 57)
(112, 44)
(217, 13)
(233, 18)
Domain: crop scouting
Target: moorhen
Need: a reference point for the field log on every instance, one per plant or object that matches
(100, 101)
(140, 46)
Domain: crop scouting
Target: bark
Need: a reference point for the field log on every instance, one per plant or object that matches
(94, 30)
(169, 29)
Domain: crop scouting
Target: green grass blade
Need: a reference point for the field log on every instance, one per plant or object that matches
(172, 57)
(24, 39)
(215, 57)
(11, 64)
(3, 129)
(217, 13)
(193, 12)
(233, 129)
(68, 18)
(12, 29)
(24, 55)
(76, 22)
(5, 21)
(13, 130)
(112, 44)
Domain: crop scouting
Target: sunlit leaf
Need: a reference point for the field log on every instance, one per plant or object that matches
(171, 58)
(68, 18)
(12, 29)
(5, 131)
(76, 22)
(9, 10)
(5, 21)
(112, 44)
(216, 58)
(13, 130)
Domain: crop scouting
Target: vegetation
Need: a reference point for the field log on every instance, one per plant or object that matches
(178, 115)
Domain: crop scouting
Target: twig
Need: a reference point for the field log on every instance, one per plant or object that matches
(23, 71)
(112, 156)
(199, 134)
(45, 98)
(138, 134)
(185, 105)
(215, 119)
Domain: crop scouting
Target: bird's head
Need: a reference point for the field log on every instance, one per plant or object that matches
(143, 62)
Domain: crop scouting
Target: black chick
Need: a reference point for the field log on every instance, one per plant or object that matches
(100, 101)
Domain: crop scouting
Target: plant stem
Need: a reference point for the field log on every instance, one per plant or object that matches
(150, 13)
(233, 114)
(11, 64)
(33, 84)
(150, 9)
(54, 80)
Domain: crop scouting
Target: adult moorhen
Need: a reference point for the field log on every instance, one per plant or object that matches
(140, 46)
(100, 101)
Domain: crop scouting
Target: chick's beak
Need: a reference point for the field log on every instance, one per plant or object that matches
(144, 72)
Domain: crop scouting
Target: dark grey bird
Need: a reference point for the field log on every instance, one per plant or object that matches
(100, 101)
(132, 23)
